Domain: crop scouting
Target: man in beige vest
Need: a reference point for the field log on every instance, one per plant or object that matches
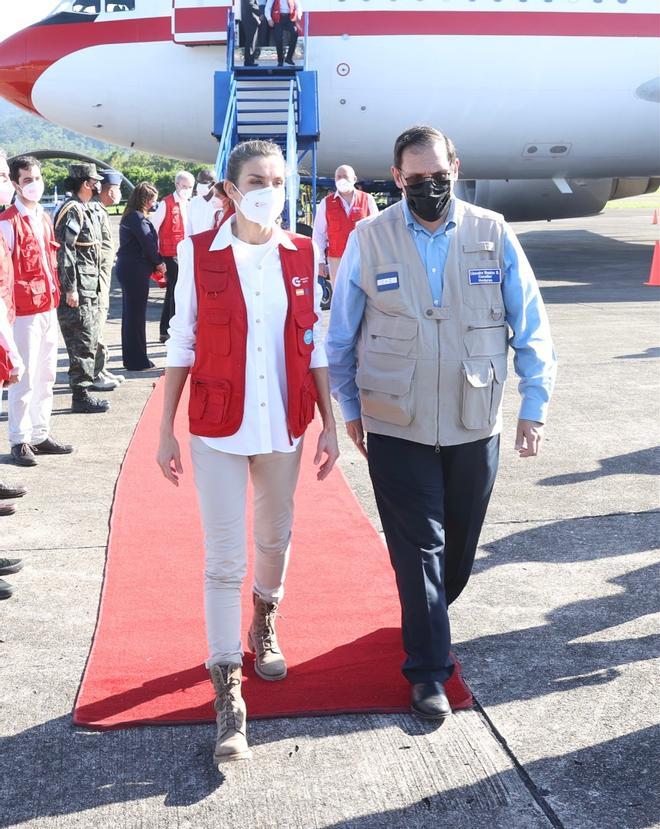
(429, 296)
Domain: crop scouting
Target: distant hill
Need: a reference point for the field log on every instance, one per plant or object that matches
(20, 131)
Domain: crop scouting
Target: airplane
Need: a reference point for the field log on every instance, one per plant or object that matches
(554, 106)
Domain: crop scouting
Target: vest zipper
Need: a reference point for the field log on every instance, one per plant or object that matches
(484, 327)
(437, 425)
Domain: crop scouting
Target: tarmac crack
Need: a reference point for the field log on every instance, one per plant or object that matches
(530, 785)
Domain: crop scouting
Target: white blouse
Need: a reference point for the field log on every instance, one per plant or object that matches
(264, 428)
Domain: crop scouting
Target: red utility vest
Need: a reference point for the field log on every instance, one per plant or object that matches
(6, 296)
(340, 223)
(217, 383)
(171, 232)
(276, 14)
(32, 291)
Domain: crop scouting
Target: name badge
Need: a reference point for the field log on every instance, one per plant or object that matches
(485, 276)
(387, 281)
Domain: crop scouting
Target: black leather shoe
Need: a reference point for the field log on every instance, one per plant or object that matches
(51, 447)
(429, 701)
(10, 565)
(7, 509)
(12, 492)
(84, 403)
(5, 589)
(22, 454)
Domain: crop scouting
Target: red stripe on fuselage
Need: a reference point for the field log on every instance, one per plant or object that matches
(540, 24)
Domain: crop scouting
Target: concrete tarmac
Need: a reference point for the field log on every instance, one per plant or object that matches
(557, 630)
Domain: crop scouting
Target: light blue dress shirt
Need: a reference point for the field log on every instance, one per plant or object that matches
(534, 357)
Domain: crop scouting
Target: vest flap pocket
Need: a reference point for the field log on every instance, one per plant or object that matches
(305, 330)
(478, 247)
(208, 400)
(37, 287)
(218, 316)
(499, 364)
(385, 382)
(391, 335)
(478, 373)
(305, 319)
(385, 374)
(212, 281)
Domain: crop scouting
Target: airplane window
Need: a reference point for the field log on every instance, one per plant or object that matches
(125, 6)
(86, 7)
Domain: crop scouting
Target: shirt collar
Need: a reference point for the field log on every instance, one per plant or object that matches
(414, 225)
(223, 238)
(33, 213)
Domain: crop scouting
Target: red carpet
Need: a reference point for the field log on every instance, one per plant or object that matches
(340, 617)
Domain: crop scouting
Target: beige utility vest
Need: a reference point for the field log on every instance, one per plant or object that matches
(426, 374)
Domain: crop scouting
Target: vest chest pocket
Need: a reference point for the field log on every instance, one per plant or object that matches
(219, 320)
(485, 339)
(209, 400)
(483, 385)
(31, 257)
(305, 331)
(395, 335)
(37, 289)
(385, 382)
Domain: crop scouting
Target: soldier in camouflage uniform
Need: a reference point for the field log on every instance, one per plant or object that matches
(78, 230)
(110, 194)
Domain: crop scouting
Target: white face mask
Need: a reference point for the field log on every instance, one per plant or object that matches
(6, 192)
(203, 189)
(344, 185)
(186, 193)
(217, 203)
(262, 206)
(33, 191)
(115, 195)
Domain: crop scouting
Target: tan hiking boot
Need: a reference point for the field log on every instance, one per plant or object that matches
(231, 714)
(262, 639)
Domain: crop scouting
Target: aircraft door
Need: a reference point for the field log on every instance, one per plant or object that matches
(200, 22)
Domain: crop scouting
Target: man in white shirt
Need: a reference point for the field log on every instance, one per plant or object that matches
(282, 17)
(337, 215)
(28, 233)
(170, 222)
(201, 209)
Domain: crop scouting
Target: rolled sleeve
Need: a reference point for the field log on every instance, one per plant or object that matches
(320, 231)
(319, 357)
(183, 325)
(534, 359)
(348, 304)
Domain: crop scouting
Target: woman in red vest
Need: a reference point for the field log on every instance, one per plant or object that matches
(247, 329)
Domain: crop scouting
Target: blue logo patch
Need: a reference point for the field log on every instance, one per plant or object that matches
(387, 281)
(308, 336)
(485, 276)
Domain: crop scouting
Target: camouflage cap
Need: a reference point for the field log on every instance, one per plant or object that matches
(84, 171)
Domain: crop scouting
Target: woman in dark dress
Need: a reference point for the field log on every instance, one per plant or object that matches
(137, 259)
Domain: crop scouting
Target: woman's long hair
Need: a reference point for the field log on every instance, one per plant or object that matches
(139, 199)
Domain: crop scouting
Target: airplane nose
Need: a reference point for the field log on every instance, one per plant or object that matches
(19, 69)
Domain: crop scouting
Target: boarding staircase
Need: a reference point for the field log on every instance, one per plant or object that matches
(277, 103)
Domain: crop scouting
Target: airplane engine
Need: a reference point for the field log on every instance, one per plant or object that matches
(526, 200)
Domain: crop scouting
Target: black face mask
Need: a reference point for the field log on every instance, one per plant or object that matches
(429, 199)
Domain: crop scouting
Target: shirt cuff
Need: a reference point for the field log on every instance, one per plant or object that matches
(533, 410)
(178, 357)
(350, 409)
(319, 358)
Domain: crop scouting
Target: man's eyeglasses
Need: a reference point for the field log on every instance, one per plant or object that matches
(440, 177)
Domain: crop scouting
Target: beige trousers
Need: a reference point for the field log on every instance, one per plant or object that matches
(221, 481)
(333, 267)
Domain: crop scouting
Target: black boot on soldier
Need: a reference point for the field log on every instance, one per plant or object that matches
(84, 403)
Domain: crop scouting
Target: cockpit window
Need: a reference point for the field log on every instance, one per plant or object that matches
(83, 7)
(125, 6)
(92, 6)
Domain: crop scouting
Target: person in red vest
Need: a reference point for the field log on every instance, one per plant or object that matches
(248, 331)
(170, 220)
(337, 215)
(29, 235)
(11, 365)
(284, 16)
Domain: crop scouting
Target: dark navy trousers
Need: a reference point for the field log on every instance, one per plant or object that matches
(432, 506)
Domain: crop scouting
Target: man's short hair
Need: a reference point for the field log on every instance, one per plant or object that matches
(22, 162)
(184, 175)
(206, 176)
(421, 137)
